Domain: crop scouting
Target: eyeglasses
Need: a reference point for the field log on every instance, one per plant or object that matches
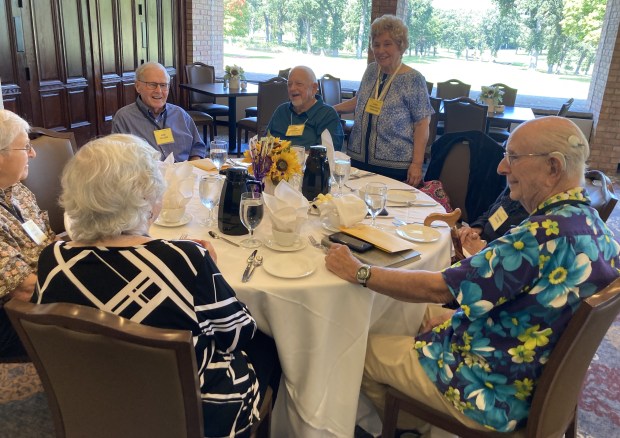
(154, 85)
(512, 157)
(27, 148)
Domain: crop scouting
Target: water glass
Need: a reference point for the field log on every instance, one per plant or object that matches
(210, 189)
(375, 197)
(301, 155)
(342, 169)
(218, 153)
(251, 215)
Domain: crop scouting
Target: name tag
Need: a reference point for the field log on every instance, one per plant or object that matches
(295, 130)
(34, 232)
(163, 136)
(498, 218)
(373, 106)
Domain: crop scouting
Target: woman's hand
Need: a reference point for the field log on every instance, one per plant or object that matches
(341, 262)
(470, 239)
(414, 175)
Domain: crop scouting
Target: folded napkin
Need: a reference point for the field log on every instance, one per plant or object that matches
(179, 184)
(344, 211)
(204, 164)
(287, 208)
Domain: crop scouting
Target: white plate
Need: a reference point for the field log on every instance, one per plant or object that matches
(418, 233)
(289, 266)
(184, 220)
(298, 245)
(422, 203)
(396, 196)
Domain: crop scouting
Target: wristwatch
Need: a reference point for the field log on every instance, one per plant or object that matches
(363, 275)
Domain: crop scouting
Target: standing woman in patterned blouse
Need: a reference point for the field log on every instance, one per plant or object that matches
(392, 108)
(24, 229)
(112, 192)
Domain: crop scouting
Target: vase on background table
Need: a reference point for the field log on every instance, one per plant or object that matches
(233, 82)
(491, 105)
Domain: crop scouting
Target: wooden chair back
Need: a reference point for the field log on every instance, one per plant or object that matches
(565, 107)
(199, 73)
(510, 94)
(464, 114)
(600, 190)
(330, 89)
(452, 88)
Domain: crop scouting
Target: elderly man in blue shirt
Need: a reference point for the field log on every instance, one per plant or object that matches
(306, 120)
(166, 127)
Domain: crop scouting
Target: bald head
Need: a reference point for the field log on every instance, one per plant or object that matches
(302, 87)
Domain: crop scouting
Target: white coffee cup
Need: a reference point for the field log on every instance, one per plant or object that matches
(172, 214)
(285, 238)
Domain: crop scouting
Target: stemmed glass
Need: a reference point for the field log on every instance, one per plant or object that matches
(375, 196)
(218, 153)
(210, 189)
(342, 169)
(251, 214)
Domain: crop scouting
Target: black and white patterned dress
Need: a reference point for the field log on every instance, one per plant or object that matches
(170, 284)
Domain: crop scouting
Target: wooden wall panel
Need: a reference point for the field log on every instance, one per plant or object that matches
(54, 108)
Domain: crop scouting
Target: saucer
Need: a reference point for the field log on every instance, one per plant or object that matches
(184, 220)
(298, 245)
(397, 196)
(418, 233)
(289, 266)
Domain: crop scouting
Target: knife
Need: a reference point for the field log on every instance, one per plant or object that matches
(245, 276)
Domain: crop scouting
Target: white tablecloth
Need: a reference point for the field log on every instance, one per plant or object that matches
(320, 323)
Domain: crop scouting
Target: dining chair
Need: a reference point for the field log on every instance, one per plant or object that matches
(429, 87)
(499, 130)
(201, 73)
(107, 376)
(54, 149)
(464, 114)
(452, 88)
(600, 190)
(565, 107)
(331, 91)
(510, 94)
(553, 412)
(284, 73)
(466, 164)
(432, 126)
(204, 120)
(271, 94)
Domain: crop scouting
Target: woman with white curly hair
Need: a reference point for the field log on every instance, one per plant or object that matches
(112, 192)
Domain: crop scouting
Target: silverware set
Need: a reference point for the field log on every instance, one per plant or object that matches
(254, 261)
(317, 244)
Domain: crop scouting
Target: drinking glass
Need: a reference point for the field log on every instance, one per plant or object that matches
(375, 196)
(342, 168)
(251, 214)
(218, 153)
(210, 189)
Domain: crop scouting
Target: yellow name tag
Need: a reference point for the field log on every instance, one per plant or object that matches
(295, 130)
(498, 218)
(373, 106)
(163, 136)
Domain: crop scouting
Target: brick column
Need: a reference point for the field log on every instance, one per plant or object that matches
(205, 33)
(382, 7)
(604, 96)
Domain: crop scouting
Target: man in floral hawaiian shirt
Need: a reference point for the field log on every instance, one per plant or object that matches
(516, 296)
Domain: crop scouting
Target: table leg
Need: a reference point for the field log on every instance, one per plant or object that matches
(232, 124)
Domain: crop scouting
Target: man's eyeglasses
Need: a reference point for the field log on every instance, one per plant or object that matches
(154, 85)
(26, 148)
(512, 157)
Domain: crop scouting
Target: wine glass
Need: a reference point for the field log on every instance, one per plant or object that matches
(210, 189)
(218, 153)
(251, 214)
(375, 196)
(342, 168)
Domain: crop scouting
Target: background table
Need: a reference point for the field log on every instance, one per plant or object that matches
(217, 90)
(320, 323)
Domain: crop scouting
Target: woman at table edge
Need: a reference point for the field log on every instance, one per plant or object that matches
(392, 109)
(112, 192)
(25, 228)
(516, 296)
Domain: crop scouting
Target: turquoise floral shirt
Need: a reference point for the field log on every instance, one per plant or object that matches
(516, 297)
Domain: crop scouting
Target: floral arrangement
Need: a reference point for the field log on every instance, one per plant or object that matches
(493, 93)
(271, 158)
(232, 71)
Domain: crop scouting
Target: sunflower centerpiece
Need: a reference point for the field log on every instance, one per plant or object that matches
(271, 159)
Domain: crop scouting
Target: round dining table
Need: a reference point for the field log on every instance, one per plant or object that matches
(320, 323)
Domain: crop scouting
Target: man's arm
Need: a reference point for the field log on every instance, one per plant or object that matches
(346, 107)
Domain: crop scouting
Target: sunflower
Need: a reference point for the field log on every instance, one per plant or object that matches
(284, 166)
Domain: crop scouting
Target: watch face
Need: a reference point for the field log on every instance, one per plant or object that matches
(363, 274)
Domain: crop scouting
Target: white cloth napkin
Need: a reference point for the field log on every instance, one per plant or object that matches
(179, 181)
(328, 142)
(287, 208)
(344, 211)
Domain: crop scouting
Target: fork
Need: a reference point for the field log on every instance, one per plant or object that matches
(316, 244)
(182, 236)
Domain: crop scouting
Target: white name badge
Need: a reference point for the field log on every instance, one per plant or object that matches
(34, 232)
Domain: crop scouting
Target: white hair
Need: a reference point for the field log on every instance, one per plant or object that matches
(11, 125)
(110, 187)
(151, 64)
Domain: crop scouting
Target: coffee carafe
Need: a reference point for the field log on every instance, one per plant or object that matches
(317, 173)
(237, 182)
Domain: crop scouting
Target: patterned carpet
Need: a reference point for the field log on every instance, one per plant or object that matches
(24, 412)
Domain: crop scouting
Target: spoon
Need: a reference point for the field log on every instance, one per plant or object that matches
(217, 236)
(258, 260)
